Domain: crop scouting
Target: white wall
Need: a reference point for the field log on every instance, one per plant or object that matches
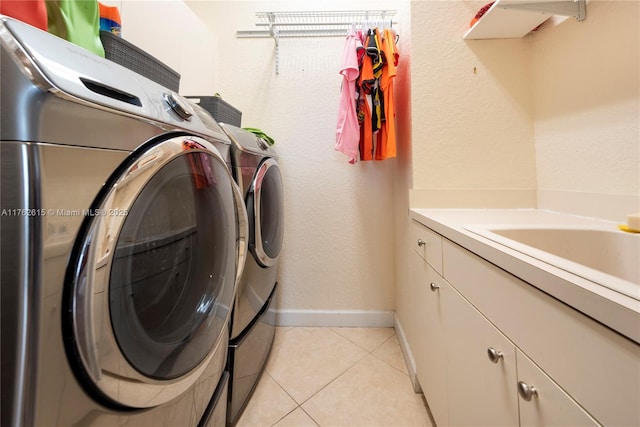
(171, 32)
(550, 120)
(541, 120)
(338, 254)
(472, 137)
(586, 98)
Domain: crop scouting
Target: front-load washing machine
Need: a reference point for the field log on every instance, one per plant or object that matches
(123, 240)
(256, 170)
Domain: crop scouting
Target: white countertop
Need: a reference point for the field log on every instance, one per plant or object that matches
(613, 309)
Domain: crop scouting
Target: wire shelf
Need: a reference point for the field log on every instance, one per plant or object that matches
(278, 25)
(322, 24)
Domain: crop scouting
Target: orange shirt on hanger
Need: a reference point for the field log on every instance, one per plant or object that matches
(386, 141)
(366, 82)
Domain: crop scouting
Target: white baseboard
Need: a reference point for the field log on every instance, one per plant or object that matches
(407, 354)
(336, 318)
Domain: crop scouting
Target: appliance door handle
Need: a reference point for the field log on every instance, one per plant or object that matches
(242, 240)
(84, 326)
(256, 187)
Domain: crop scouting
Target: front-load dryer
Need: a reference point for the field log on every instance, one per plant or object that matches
(123, 239)
(257, 172)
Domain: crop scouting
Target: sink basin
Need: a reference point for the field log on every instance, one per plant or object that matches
(608, 257)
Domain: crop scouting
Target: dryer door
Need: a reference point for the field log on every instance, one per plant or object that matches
(154, 274)
(266, 207)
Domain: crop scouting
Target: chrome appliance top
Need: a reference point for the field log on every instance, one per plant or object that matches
(71, 73)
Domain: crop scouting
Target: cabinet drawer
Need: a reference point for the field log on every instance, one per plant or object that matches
(427, 244)
(596, 366)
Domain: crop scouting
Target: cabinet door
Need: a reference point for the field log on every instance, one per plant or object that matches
(545, 404)
(481, 391)
(595, 365)
(431, 356)
(409, 304)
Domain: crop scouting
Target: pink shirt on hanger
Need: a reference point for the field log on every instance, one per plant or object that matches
(348, 130)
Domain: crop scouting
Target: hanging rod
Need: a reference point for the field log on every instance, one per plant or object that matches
(315, 24)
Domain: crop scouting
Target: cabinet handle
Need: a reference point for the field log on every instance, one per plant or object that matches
(494, 355)
(421, 242)
(434, 287)
(527, 392)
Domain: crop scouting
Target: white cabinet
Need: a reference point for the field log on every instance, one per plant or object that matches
(420, 314)
(493, 383)
(544, 403)
(597, 367)
(427, 244)
(451, 341)
(431, 353)
(481, 388)
(411, 303)
(482, 338)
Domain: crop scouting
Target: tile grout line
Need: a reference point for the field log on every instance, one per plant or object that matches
(366, 353)
(293, 410)
(283, 389)
(355, 343)
(310, 417)
(333, 380)
(389, 364)
(298, 405)
(371, 352)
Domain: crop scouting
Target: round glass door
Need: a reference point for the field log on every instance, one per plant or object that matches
(268, 218)
(172, 257)
(156, 275)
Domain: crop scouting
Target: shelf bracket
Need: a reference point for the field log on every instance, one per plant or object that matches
(575, 8)
(275, 34)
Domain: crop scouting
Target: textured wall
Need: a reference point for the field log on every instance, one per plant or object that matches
(556, 112)
(471, 104)
(586, 96)
(338, 253)
(339, 241)
(173, 34)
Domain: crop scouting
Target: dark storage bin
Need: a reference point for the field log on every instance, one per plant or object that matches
(220, 110)
(132, 57)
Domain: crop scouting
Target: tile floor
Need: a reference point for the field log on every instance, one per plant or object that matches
(335, 377)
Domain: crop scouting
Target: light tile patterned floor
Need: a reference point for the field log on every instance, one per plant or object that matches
(335, 377)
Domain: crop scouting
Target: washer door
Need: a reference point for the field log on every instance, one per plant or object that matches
(265, 203)
(154, 274)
